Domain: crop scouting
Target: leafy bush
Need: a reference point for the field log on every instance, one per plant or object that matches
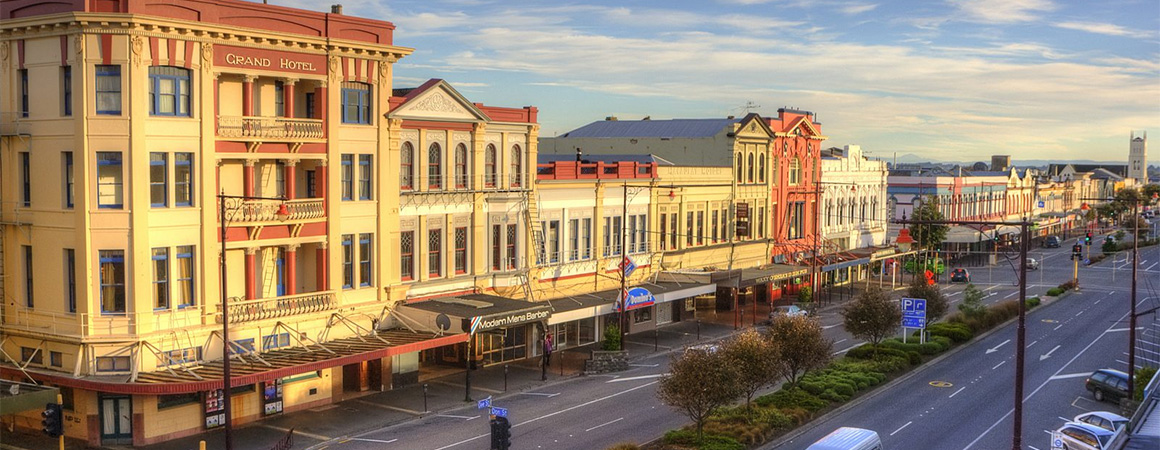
(688, 439)
(1069, 285)
(956, 332)
(1109, 247)
(1054, 292)
(624, 446)
(611, 338)
(868, 351)
(792, 398)
(1032, 302)
(834, 396)
(1143, 376)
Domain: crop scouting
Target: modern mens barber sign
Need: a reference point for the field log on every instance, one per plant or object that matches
(486, 323)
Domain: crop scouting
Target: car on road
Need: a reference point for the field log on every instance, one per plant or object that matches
(1052, 242)
(1081, 436)
(707, 348)
(1108, 384)
(1103, 419)
(791, 311)
(849, 438)
(1032, 264)
(960, 276)
(1110, 238)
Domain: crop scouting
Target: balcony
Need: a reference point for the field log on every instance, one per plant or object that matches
(265, 211)
(270, 128)
(278, 307)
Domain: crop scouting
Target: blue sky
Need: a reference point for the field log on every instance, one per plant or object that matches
(947, 79)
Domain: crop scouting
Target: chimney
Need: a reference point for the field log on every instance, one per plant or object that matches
(336, 9)
(579, 154)
(610, 119)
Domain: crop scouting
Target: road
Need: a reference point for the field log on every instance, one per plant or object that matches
(598, 411)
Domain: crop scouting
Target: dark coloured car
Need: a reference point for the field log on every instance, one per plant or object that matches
(1107, 384)
(960, 276)
(1052, 242)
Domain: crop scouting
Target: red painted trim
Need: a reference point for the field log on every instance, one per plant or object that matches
(247, 98)
(188, 63)
(251, 276)
(441, 294)
(275, 232)
(202, 386)
(345, 63)
(172, 51)
(288, 100)
(312, 229)
(291, 182)
(430, 125)
(291, 272)
(64, 50)
(20, 52)
(153, 46)
(106, 42)
(248, 180)
(320, 269)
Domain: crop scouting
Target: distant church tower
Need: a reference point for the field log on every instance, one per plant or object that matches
(1138, 158)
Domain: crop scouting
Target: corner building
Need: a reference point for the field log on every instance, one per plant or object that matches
(123, 121)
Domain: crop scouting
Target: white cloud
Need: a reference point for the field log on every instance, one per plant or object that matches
(1003, 11)
(857, 8)
(1102, 28)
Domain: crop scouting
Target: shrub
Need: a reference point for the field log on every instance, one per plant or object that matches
(1143, 376)
(792, 398)
(1054, 292)
(688, 438)
(611, 338)
(956, 332)
(1070, 285)
(624, 446)
(868, 351)
(833, 396)
(1032, 302)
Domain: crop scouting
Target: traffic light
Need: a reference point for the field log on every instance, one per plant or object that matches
(53, 422)
(501, 433)
(1088, 239)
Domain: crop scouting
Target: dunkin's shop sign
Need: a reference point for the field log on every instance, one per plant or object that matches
(254, 58)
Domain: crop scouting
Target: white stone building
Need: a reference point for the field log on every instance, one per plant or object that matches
(853, 212)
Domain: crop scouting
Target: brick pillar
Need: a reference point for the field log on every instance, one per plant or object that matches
(251, 274)
(248, 95)
(288, 97)
(291, 269)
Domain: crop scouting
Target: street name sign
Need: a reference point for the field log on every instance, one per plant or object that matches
(485, 403)
(499, 412)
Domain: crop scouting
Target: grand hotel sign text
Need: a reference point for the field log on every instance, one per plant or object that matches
(253, 58)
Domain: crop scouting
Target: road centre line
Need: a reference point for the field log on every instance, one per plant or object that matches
(847, 349)
(1032, 394)
(642, 377)
(457, 417)
(1000, 363)
(287, 430)
(1032, 343)
(1080, 313)
(1070, 375)
(539, 393)
(956, 392)
(545, 416)
(1057, 327)
(377, 441)
(1012, 294)
(900, 428)
(603, 424)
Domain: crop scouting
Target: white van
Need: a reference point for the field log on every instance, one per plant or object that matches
(849, 438)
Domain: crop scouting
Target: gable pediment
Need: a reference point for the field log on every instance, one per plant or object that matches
(440, 102)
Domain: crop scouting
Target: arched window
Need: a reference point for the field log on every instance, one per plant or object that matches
(490, 173)
(795, 171)
(169, 91)
(517, 166)
(829, 212)
(462, 180)
(761, 168)
(752, 167)
(435, 166)
(841, 211)
(407, 166)
(740, 168)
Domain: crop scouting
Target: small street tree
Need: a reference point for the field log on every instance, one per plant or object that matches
(756, 359)
(872, 316)
(972, 305)
(803, 348)
(936, 303)
(929, 236)
(698, 383)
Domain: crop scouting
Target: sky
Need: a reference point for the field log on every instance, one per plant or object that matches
(950, 80)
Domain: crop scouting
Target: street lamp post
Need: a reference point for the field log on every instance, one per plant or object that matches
(282, 212)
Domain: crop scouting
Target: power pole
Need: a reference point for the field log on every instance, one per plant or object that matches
(623, 257)
(1021, 337)
(1132, 313)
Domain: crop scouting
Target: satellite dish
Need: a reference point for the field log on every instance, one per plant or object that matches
(443, 322)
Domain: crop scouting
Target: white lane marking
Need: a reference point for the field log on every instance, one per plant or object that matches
(1153, 265)
(644, 365)
(1032, 343)
(996, 348)
(1122, 329)
(392, 408)
(841, 341)
(603, 424)
(826, 327)
(1033, 448)
(1032, 394)
(1096, 303)
(379, 441)
(1048, 354)
(900, 428)
(956, 392)
(452, 416)
(540, 394)
(287, 430)
(606, 397)
(1057, 327)
(1011, 295)
(1080, 313)
(1063, 419)
(642, 377)
(1070, 375)
(1000, 363)
(847, 349)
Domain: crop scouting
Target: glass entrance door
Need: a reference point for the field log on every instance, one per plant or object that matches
(116, 420)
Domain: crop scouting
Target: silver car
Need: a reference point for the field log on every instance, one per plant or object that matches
(1103, 419)
(1032, 264)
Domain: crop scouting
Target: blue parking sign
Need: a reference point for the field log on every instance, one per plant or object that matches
(913, 312)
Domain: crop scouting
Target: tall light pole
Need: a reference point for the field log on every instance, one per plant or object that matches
(282, 212)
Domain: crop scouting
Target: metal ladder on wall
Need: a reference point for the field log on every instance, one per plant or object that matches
(536, 233)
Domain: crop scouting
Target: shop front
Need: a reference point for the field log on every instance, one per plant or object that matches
(502, 330)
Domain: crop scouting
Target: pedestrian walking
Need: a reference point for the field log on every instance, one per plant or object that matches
(548, 349)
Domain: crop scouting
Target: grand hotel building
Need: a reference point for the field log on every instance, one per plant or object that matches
(127, 124)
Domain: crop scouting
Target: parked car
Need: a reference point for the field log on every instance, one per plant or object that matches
(1110, 238)
(1032, 264)
(791, 310)
(849, 438)
(960, 276)
(1081, 436)
(1108, 384)
(1103, 419)
(707, 348)
(1052, 242)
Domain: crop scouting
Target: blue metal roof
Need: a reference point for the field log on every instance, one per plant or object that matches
(673, 128)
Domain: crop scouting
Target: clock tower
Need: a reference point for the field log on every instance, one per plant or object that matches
(1138, 157)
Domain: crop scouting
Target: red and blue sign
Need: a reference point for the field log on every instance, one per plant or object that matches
(639, 297)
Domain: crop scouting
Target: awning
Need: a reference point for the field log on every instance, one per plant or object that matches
(604, 302)
(962, 235)
(17, 397)
(460, 314)
(752, 277)
(845, 264)
(250, 369)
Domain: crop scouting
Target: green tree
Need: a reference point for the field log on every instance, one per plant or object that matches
(611, 338)
(698, 383)
(1148, 191)
(805, 294)
(972, 305)
(757, 360)
(803, 347)
(928, 236)
(872, 316)
(936, 303)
